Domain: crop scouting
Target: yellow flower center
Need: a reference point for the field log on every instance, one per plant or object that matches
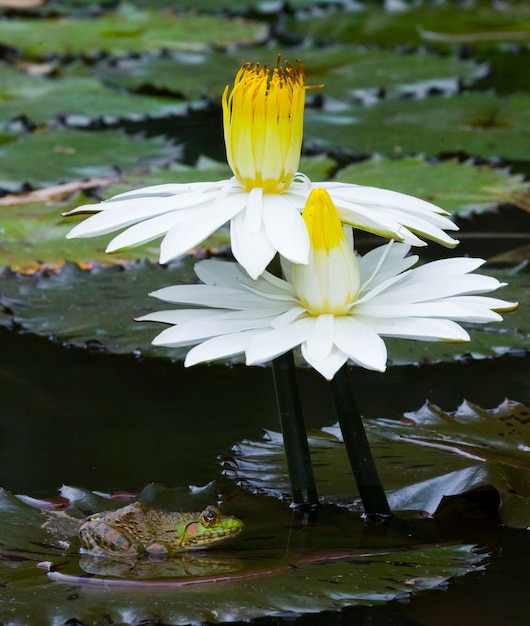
(331, 280)
(263, 118)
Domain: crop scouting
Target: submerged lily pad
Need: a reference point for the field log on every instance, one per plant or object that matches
(252, 579)
(426, 457)
(128, 30)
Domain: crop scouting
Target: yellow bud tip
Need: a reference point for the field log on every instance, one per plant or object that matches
(322, 221)
(263, 116)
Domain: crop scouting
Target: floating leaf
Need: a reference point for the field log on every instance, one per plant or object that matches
(61, 155)
(473, 124)
(259, 576)
(42, 99)
(472, 188)
(118, 294)
(128, 30)
(480, 24)
(347, 72)
(420, 460)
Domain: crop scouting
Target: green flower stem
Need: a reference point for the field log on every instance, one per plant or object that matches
(360, 456)
(295, 443)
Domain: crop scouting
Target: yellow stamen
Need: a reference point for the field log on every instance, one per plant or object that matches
(263, 117)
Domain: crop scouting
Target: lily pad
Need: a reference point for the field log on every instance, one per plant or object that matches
(348, 72)
(62, 155)
(472, 189)
(473, 124)
(252, 579)
(128, 30)
(118, 294)
(480, 23)
(42, 99)
(34, 233)
(426, 457)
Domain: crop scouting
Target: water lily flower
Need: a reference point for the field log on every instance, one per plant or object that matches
(336, 307)
(263, 124)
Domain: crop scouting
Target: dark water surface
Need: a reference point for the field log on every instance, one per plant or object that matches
(110, 422)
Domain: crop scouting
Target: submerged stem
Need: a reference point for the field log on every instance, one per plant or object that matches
(357, 447)
(303, 487)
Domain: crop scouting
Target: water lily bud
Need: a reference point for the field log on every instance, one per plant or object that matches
(331, 280)
(263, 118)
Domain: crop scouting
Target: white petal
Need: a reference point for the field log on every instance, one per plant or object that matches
(360, 343)
(447, 308)
(285, 228)
(176, 316)
(210, 296)
(253, 250)
(410, 289)
(194, 228)
(254, 210)
(220, 273)
(423, 329)
(114, 215)
(382, 263)
(143, 232)
(272, 343)
(218, 348)
(329, 366)
(319, 342)
(168, 189)
(204, 328)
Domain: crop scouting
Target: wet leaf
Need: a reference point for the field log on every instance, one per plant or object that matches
(77, 99)
(481, 24)
(116, 295)
(422, 459)
(253, 579)
(61, 155)
(472, 124)
(347, 72)
(127, 30)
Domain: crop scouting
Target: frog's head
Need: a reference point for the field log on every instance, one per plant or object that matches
(211, 527)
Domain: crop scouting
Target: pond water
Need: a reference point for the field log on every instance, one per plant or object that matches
(117, 423)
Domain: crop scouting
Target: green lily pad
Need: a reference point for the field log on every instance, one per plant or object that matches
(474, 124)
(41, 99)
(473, 189)
(63, 155)
(252, 579)
(34, 233)
(116, 295)
(432, 455)
(481, 24)
(128, 30)
(346, 71)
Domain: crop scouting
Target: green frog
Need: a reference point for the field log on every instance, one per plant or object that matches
(137, 530)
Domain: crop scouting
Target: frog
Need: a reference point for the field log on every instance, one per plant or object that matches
(138, 530)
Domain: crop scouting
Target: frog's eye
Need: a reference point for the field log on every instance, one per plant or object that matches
(210, 516)
(93, 518)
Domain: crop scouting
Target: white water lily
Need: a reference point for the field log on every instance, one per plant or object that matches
(263, 126)
(336, 308)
